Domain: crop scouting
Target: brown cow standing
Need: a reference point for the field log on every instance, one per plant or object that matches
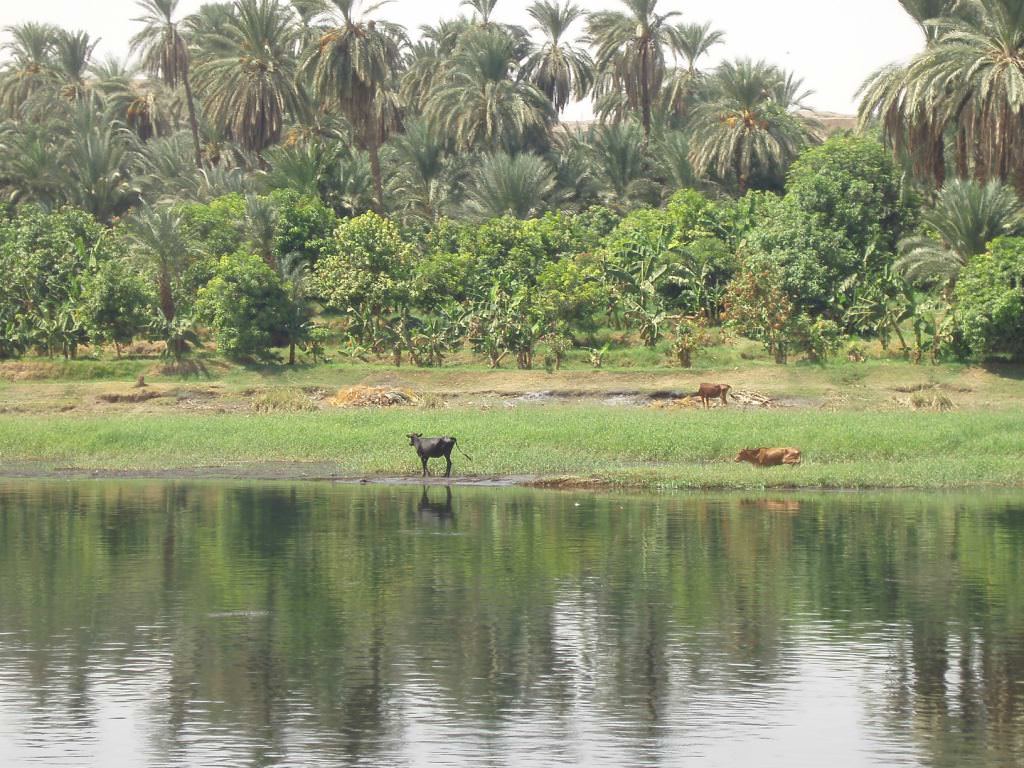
(709, 391)
(769, 457)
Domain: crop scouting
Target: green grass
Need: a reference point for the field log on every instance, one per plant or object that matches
(78, 370)
(627, 446)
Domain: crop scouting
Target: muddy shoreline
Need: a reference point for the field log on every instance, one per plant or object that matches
(329, 473)
(283, 470)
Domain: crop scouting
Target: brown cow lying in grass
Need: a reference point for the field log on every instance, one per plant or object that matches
(708, 391)
(769, 457)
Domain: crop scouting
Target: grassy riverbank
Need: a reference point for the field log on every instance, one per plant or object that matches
(632, 447)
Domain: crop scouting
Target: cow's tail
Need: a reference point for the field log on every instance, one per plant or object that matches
(460, 449)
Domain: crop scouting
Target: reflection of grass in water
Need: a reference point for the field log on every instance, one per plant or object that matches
(640, 447)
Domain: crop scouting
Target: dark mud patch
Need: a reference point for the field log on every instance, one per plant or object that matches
(137, 396)
(915, 388)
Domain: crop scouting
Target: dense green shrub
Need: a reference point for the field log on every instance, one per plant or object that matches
(44, 257)
(117, 303)
(304, 225)
(850, 185)
(990, 299)
(439, 278)
(218, 224)
(245, 305)
(572, 293)
(809, 260)
(366, 267)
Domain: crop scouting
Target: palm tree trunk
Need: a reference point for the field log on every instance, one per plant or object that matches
(166, 297)
(373, 149)
(193, 122)
(645, 91)
(962, 164)
(939, 160)
(741, 176)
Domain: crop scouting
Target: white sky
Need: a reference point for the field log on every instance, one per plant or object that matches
(833, 44)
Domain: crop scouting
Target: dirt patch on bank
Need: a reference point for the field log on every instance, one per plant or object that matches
(136, 396)
(373, 397)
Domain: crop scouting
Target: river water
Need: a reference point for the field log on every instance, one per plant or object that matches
(272, 624)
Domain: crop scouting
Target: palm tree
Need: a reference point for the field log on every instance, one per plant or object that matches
(352, 188)
(905, 112)
(681, 83)
(261, 228)
(746, 128)
(572, 159)
(97, 161)
(308, 11)
(672, 158)
(965, 218)
(249, 82)
(326, 169)
(446, 34)
(483, 9)
(306, 166)
(925, 12)
(631, 53)
(421, 180)
(210, 183)
(30, 66)
(72, 54)
(618, 159)
(694, 41)
(208, 28)
(156, 233)
(510, 185)
(481, 103)
(31, 169)
(164, 54)
(966, 85)
(354, 66)
(294, 274)
(560, 70)
(126, 98)
(164, 168)
(424, 64)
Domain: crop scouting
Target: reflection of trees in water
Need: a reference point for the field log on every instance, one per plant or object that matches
(504, 601)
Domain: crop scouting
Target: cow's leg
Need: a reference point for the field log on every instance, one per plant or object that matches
(448, 469)
(724, 393)
(426, 473)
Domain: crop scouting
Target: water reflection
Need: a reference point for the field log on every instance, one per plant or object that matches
(271, 624)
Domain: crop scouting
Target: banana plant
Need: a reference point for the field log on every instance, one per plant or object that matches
(649, 320)
(179, 335)
(489, 332)
(880, 306)
(437, 336)
(933, 319)
(637, 284)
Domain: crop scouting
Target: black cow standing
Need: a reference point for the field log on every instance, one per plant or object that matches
(434, 448)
